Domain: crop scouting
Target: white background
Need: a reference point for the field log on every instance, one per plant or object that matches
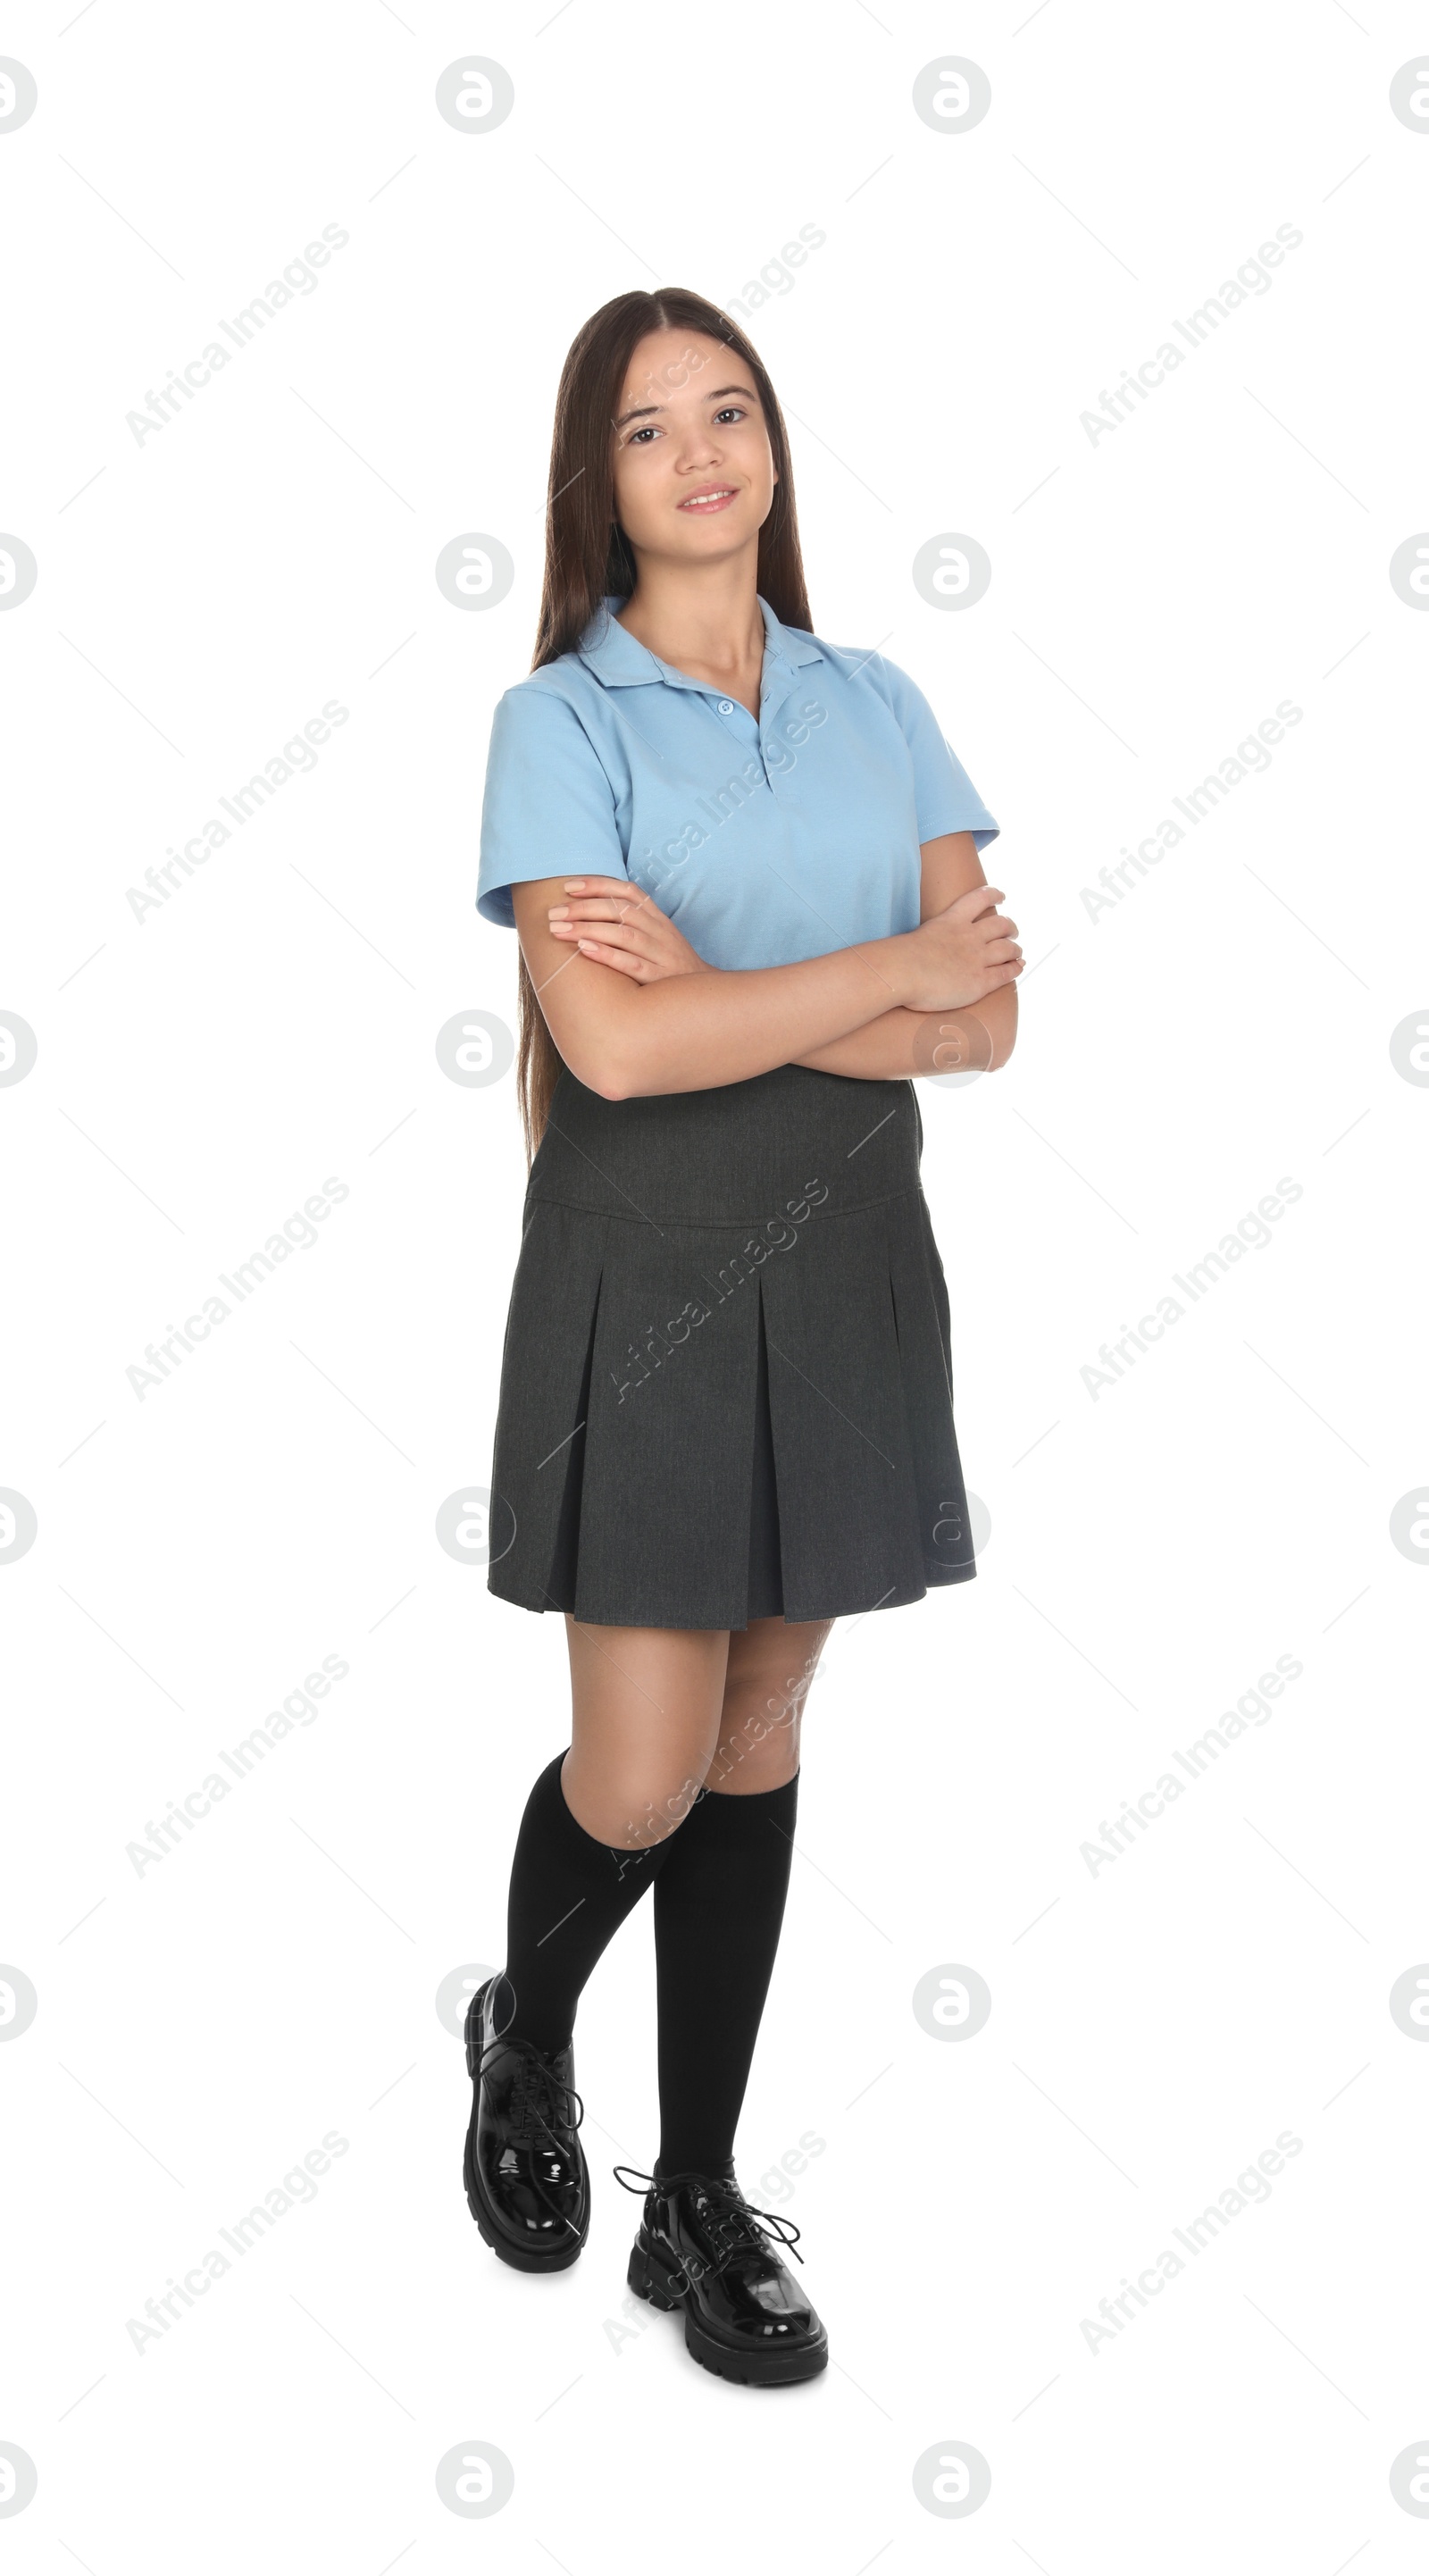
(1153, 1549)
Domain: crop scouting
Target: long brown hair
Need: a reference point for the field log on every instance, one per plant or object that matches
(588, 558)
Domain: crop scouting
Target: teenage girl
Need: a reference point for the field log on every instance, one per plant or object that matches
(742, 864)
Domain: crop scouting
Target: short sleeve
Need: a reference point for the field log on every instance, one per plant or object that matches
(548, 808)
(946, 798)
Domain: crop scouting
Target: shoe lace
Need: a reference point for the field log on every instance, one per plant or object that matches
(542, 2104)
(737, 2226)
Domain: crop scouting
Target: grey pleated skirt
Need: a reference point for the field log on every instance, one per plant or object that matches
(726, 1389)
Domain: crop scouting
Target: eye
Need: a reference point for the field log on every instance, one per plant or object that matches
(731, 411)
(638, 435)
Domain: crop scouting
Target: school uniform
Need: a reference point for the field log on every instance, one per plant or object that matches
(726, 1388)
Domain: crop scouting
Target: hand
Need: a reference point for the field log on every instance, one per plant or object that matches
(617, 924)
(958, 957)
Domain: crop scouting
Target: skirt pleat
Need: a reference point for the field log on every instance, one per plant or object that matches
(727, 1377)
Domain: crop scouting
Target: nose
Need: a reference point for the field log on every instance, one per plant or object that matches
(696, 446)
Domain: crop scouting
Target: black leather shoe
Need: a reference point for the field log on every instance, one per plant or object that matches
(525, 2170)
(702, 2247)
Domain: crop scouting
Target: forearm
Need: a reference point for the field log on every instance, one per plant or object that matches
(904, 1043)
(634, 1012)
(698, 1032)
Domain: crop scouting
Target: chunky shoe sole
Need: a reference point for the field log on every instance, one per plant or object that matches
(650, 2278)
(520, 2257)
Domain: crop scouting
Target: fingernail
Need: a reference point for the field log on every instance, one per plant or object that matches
(575, 885)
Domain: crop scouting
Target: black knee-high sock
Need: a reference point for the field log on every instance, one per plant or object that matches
(569, 1895)
(719, 1905)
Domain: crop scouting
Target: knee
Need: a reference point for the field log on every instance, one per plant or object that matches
(631, 1808)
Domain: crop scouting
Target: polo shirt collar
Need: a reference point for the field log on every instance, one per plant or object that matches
(620, 661)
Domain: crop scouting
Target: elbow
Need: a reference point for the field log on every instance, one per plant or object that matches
(604, 1073)
(998, 1020)
(622, 1050)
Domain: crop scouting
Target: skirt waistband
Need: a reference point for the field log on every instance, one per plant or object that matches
(748, 1154)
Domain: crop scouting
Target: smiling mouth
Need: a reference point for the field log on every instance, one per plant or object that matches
(716, 499)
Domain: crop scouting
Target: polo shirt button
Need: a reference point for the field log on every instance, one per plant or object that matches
(726, 706)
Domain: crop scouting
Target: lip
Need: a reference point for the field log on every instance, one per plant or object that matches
(710, 498)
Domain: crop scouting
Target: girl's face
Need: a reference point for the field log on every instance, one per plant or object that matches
(694, 472)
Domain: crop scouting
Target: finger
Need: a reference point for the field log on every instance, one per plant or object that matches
(601, 907)
(603, 885)
(620, 958)
(633, 935)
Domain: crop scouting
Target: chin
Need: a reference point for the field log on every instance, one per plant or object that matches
(723, 535)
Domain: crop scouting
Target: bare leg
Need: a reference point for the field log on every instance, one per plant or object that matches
(770, 1666)
(645, 1720)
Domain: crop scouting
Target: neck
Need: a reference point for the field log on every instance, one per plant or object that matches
(707, 618)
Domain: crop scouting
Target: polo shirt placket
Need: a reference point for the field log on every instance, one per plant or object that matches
(766, 839)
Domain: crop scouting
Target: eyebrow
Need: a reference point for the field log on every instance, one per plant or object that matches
(642, 411)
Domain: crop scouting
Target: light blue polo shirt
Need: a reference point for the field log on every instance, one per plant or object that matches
(766, 841)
